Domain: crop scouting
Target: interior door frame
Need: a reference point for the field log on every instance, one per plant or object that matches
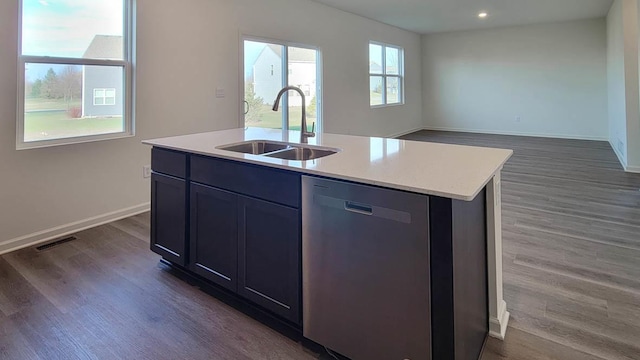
(285, 78)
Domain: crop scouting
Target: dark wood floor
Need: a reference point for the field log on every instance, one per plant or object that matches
(571, 237)
(571, 262)
(105, 296)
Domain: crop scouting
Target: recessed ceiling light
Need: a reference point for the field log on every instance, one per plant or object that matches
(483, 15)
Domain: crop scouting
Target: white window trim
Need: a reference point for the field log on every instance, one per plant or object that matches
(105, 97)
(128, 91)
(385, 76)
(284, 104)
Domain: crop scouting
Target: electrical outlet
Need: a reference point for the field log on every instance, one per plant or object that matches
(518, 118)
(146, 171)
(220, 93)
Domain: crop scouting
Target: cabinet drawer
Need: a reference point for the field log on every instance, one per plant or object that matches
(169, 162)
(265, 183)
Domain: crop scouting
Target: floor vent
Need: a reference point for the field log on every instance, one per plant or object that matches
(55, 243)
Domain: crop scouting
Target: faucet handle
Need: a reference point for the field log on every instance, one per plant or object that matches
(313, 127)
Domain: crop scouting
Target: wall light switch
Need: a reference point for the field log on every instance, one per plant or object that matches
(219, 93)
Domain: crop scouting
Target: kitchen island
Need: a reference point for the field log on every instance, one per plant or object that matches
(247, 224)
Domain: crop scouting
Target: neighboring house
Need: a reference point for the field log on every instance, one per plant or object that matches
(267, 74)
(102, 86)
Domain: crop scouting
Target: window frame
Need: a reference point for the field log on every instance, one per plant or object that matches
(284, 103)
(385, 76)
(128, 83)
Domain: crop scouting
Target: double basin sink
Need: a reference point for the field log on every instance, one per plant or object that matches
(280, 150)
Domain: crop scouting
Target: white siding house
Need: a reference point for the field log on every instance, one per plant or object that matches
(267, 74)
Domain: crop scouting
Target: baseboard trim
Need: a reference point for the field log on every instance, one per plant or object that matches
(397, 135)
(516, 133)
(632, 169)
(623, 162)
(498, 325)
(68, 229)
(627, 168)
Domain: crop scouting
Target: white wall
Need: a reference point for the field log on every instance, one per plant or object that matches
(185, 50)
(616, 82)
(552, 76)
(344, 41)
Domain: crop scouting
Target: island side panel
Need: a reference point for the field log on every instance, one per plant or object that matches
(459, 277)
(471, 315)
(442, 320)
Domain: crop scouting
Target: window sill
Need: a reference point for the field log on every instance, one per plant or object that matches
(72, 140)
(385, 105)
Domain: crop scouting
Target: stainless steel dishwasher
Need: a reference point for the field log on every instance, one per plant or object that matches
(366, 282)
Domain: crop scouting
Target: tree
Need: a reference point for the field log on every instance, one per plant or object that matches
(50, 86)
(69, 84)
(311, 108)
(36, 88)
(254, 105)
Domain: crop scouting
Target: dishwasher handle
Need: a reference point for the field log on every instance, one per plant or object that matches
(358, 208)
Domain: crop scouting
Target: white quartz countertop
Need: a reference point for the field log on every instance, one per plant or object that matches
(452, 171)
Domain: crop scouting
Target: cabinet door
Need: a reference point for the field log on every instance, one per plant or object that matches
(269, 271)
(168, 217)
(214, 235)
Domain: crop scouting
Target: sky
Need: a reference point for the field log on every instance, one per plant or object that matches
(65, 28)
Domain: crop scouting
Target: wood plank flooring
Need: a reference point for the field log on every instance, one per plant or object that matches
(105, 296)
(571, 262)
(571, 233)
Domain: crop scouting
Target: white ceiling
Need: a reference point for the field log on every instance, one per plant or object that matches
(430, 16)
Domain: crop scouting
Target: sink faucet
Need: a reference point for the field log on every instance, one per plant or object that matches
(304, 134)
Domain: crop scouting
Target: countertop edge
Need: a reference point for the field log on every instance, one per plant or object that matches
(464, 197)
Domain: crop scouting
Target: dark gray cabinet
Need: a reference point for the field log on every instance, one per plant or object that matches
(236, 225)
(214, 235)
(168, 218)
(269, 256)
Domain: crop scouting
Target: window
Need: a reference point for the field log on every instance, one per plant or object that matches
(76, 75)
(104, 96)
(268, 67)
(386, 75)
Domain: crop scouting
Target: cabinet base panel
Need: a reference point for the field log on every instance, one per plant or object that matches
(257, 313)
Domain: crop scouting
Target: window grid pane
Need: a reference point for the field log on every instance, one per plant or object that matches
(376, 89)
(393, 93)
(376, 60)
(392, 56)
(52, 28)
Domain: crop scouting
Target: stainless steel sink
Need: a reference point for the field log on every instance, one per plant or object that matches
(301, 153)
(280, 150)
(257, 147)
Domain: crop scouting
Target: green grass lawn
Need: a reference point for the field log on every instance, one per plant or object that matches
(44, 125)
(31, 104)
(46, 119)
(273, 120)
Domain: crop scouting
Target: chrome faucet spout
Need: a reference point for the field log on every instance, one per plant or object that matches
(304, 134)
